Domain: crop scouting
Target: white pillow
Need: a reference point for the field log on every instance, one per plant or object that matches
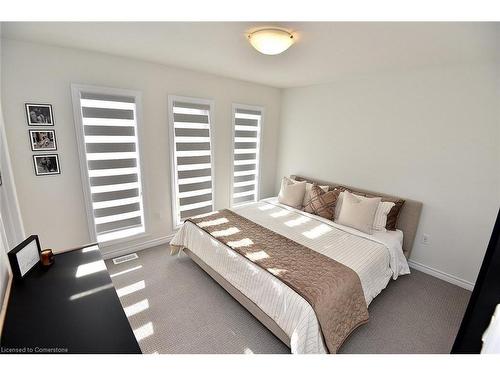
(358, 213)
(292, 193)
(307, 195)
(380, 220)
(338, 205)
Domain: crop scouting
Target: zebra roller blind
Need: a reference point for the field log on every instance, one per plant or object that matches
(111, 158)
(192, 157)
(246, 146)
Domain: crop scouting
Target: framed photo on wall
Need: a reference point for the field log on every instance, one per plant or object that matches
(39, 114)
(46, 164)
(43, 140)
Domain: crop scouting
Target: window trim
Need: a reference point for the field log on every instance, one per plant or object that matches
(76, 89)
(234, 107)
(174, 191)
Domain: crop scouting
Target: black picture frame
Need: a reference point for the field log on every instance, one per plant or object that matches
(13, 257)
(44, 112)
(54, 157)
(33, 131)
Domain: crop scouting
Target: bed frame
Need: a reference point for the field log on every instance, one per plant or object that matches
(407, 222)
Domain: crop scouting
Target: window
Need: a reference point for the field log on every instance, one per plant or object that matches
(247, 123)
(192, 161)
(106, 121)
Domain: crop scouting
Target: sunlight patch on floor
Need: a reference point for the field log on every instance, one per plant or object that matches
(144, 331)
(126, 271)
(129, 289)
(136, 308)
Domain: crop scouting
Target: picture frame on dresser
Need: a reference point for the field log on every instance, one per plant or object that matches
(25, 256)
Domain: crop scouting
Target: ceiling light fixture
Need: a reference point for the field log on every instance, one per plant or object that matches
(271, 41)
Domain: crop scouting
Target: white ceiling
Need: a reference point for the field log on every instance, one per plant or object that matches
(323, 52)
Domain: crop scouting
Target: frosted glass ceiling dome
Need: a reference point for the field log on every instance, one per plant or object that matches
(271, 41)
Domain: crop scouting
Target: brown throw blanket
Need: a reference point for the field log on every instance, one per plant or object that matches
(332, 289)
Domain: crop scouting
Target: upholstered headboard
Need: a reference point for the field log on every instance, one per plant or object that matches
(408, 217)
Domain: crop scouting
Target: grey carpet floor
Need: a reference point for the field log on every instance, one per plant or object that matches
(175, 307)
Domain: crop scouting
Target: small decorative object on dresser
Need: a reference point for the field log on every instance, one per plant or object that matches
(46, 164)
(25, 256)
(43, 140)
(39, 114)
(47, 257)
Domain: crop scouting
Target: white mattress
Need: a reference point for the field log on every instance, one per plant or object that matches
(375, 258)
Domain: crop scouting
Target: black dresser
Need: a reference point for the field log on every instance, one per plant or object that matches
(72, 307)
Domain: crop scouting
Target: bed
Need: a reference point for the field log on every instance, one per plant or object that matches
(375, 258)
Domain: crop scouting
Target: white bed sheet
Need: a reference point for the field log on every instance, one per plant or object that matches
(375, 258)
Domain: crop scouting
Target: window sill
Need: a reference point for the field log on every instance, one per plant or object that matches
(112, 242)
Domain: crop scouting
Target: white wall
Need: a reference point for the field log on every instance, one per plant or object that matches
(3, 259)
(6, 181)
(9, 206)
(431, 135)
(53, 206)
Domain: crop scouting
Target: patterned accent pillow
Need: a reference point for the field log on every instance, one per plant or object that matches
(307, 195)
(322, 203)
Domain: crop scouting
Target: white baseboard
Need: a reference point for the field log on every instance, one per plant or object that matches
(441, 275)
(127, 249)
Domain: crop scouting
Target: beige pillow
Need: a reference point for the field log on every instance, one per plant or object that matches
(358, 213)
(392, 216)
(292, 193)
(383, 209)
(307, 195)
